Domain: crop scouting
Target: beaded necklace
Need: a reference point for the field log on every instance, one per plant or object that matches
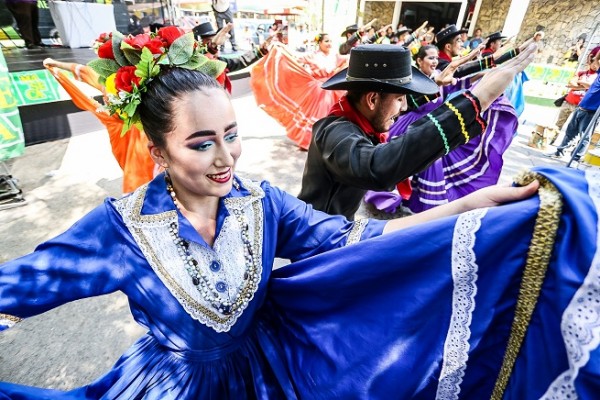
(218, 294)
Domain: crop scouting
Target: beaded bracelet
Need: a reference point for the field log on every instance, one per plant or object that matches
(461, 121)
(441, 131)
(477, 110)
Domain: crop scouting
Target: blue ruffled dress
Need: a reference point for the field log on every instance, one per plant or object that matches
(423, 313)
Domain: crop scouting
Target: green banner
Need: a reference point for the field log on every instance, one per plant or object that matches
(12, 142)
(550, 73)
(34, 87)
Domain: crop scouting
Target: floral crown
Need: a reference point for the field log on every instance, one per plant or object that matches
(127, 64)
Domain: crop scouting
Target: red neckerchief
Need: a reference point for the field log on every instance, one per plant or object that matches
(444, 56)
(343, 108)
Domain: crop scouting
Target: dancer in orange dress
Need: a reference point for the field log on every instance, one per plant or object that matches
(288, 88)
(131, 149)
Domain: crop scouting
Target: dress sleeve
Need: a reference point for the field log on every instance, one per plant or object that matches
(82, 262)
(354, 160)
(303, 231)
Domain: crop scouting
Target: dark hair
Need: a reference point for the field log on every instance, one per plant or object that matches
(354, 96)
(422, 53)
(156, 106)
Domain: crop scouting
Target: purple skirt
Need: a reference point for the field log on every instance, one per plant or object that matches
(465, 169)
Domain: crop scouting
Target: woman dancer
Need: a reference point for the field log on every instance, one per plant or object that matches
(193, 251)
(289, 88)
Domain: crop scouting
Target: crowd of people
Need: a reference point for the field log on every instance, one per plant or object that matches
(484, 291)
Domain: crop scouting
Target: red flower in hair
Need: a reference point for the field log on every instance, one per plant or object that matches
(126, 78)
(106, 51)
(170, 33)
(138, 42)
(156, 46)
(104, 37)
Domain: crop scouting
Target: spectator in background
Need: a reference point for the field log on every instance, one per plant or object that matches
(582, 116)
(538, 39)
(26, 15)
(574, 52)
(476, 40)
(222, 11)
(466, 42)
(577, 88)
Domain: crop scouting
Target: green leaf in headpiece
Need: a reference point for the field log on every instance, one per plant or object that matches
(195, 62)
(117, 38)
(104, 67)
(132, 54)
(147, 68)
(181, 49)
(213, 68)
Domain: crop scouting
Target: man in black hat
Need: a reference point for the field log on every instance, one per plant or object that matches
(353, 34)
(493, 44)
(450, 44)
(212, 39)
(348, 154)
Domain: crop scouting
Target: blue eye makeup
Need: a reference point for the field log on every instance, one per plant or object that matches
(231, 137)
(203, 146)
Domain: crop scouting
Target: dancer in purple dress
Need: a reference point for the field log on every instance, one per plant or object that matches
(465, 169)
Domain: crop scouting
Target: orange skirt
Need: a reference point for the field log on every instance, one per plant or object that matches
(292, 94)
(130, 149)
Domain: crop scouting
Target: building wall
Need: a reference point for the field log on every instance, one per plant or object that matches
(563, 22)
(382, 10)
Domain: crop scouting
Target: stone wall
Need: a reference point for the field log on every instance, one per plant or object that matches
(382, 10)
(563, 22)
(492, 15)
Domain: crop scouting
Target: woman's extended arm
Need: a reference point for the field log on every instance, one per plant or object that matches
(487, 197)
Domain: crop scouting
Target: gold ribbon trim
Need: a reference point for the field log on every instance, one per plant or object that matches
(10, 318)
(538, 258)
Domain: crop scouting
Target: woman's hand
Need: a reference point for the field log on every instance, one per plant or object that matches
(493, 84)
(492, 196)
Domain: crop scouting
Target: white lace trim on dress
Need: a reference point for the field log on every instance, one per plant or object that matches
(151, 232)
(464, 277)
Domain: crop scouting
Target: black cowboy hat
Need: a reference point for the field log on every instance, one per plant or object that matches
(495, 36)
(350, 29)
(204, 30)
(448, 33)
(381, 68)
(402, 30)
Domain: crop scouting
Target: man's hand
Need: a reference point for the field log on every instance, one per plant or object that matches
(446, 77)
(221, 37)
(382, 31)
(421, 29)
(497, 79)
(367, 26)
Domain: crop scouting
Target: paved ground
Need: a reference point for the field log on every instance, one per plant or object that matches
(62, 180)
